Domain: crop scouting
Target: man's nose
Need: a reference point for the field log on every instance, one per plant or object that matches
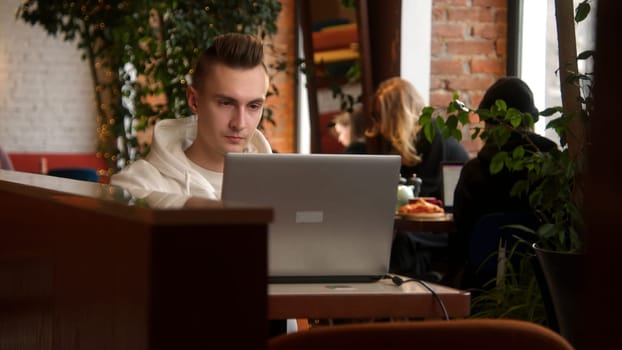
(238, 120)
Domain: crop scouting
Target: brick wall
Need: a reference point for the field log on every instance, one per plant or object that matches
(468, 52)
(282, 137)
(46, 92)
(468, 48)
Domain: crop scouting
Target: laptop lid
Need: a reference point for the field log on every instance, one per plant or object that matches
(449, 178)
(333, 213)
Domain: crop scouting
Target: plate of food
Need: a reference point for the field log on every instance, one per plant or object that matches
(424, 216)
(421, 209)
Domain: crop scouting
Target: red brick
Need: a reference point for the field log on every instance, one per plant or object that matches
(445, 30)
(471, 83)
(491, 66)
(470, 15)
(439, 15)
(490, 3)
(441, 98)
(436, 47)
(448, 2)
(436, 83)
(501, 16)
(447, 66)
(476, 98)
(489, 31)
(478, 47)
(501, 47)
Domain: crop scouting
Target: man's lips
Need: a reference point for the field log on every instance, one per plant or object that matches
(235, 139)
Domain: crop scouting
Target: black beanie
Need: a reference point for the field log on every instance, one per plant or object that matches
(515, 92)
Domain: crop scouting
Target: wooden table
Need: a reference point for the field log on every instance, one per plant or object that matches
(444, 224)
(381, 299)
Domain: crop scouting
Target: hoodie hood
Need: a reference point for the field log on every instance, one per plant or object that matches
(167, 169)
(171, 137)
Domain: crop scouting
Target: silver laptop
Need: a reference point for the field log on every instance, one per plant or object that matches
(333, 213)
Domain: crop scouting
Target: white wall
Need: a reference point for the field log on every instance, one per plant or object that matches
(46, 93)
(416, 36)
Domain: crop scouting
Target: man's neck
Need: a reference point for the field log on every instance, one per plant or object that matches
(204, 160)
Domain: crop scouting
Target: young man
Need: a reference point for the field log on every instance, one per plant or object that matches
(227, 95)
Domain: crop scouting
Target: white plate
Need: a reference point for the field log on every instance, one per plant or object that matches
(424, 216)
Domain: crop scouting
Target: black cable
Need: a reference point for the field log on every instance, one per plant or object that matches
(398, 281)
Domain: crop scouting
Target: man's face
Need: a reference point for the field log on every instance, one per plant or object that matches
(229, 105)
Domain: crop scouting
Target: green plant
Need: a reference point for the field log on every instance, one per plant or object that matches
(516, 296)
(141, 54)
(553, 181)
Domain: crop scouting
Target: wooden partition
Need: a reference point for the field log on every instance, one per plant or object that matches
(87, 266)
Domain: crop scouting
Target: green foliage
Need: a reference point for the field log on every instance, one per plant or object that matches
(150, 47)
(550, 181)
(517, 296)
(553, 184)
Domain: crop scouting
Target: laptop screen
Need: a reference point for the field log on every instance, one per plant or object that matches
(333, 213)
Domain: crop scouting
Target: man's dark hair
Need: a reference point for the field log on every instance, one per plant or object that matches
(234, 50)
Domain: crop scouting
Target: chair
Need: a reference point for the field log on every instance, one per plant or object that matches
(491, 242)
(84, 174)
(481, 334)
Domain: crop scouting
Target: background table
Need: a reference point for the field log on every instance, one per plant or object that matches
(444, 224)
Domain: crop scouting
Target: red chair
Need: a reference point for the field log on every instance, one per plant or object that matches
(480, 334)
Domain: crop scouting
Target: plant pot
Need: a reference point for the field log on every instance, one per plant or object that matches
(562, 273)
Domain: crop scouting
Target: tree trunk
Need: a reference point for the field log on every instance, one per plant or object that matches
(567, 44)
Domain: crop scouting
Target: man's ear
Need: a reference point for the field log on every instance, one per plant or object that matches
(192, 98)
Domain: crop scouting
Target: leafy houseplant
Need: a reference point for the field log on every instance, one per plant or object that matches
(554, 179)
(553, 183)
(141, 55)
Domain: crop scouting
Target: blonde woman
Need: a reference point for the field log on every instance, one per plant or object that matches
(396, 107)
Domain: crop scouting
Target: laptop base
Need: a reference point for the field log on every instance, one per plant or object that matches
(324, 279)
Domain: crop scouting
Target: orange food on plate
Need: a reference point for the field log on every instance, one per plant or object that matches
(420, 206)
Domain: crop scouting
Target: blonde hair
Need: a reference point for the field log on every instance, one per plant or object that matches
(396, 109)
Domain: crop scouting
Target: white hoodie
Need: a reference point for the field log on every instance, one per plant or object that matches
(167, 169)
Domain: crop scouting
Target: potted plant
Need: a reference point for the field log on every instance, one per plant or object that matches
(553, 185)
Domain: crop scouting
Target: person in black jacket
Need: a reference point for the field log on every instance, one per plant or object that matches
(396, 108)
(479, 192)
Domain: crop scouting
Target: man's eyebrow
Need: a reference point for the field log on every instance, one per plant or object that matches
(258, 100)
(224, 97)
(229, 98)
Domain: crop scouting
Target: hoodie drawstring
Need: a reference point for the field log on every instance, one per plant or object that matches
(187, 180)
